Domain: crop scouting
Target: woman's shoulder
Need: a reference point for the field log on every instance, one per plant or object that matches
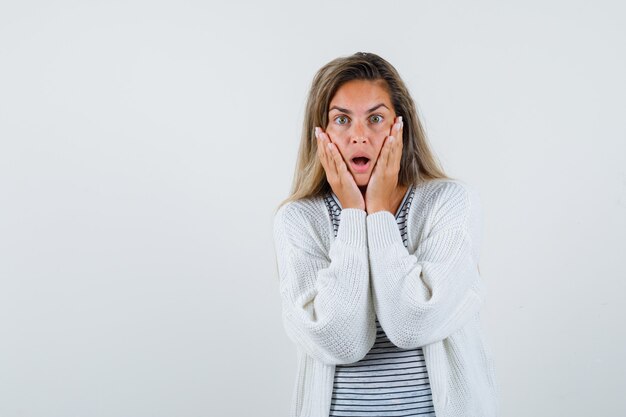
(441, 204)
(309, 207)
(304, 224)
(449, 186)
(446, 199)
(305, 215)
(448, 190)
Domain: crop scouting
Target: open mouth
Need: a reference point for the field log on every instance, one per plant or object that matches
(360, 164)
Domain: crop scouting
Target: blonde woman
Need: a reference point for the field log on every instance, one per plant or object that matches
(377, 253)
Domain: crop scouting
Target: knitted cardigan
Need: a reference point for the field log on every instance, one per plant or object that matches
(428, 294)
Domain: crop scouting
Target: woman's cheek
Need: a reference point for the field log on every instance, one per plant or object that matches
(386, 128)
(334, 133)
(381, 132)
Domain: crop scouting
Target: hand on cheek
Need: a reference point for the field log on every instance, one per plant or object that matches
(337, 174)
(384, 180)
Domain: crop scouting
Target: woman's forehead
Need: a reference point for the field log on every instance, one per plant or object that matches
(361, 96)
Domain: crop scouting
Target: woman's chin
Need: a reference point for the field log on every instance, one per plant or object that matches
(362, 181)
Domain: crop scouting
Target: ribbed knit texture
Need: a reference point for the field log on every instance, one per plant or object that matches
(388, 381)
(427, 294)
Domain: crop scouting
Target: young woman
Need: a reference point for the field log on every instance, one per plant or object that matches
(377, 254)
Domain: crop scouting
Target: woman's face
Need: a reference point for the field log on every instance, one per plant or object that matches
(360, 116)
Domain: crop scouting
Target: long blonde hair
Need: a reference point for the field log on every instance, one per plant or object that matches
(418, 163)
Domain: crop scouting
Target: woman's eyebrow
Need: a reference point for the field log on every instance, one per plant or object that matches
(377, 106)
(349, 112)
(339, 109)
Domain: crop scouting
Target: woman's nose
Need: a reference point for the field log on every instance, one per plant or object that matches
(358, 133)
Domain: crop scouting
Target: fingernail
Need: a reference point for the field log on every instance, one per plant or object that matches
(317, 132)
(330, 146)
(390, 139)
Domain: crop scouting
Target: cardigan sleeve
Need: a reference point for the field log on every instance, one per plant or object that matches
(425, 296)
(326, 300)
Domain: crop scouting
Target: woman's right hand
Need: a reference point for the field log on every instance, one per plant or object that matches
(337, 173)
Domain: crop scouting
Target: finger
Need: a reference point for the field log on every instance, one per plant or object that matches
(320, 147)
(396, 149)
(340, 165)
(400, 144)
(334, 157)
(322, 151)
(393, 133)
(384, 153)
(394, 142)
(400, 130)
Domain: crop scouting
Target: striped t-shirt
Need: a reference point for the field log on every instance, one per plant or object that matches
(388, 381)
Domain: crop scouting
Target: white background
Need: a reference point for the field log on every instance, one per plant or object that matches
(145, 145)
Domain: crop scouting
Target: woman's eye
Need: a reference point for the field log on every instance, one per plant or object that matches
(342, 120)
(376, 118)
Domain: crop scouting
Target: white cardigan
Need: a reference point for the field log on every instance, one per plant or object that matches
(427, 295)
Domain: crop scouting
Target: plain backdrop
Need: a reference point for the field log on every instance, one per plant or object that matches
(144, 146)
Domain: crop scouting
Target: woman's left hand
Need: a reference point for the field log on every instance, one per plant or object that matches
(384, 180)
